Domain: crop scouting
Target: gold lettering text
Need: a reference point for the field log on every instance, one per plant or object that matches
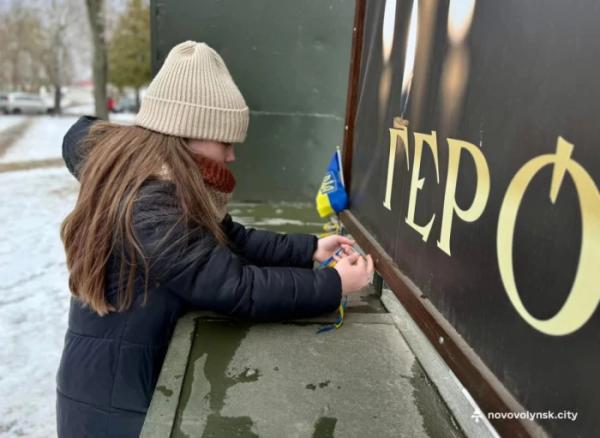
(482, 189)
(585, 293)
(416, 182)
(395, 135)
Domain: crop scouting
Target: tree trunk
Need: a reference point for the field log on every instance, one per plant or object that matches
(95, 9)
(137, 99)
(57, 99)
(57, 70)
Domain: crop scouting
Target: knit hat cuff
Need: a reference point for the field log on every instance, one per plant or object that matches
(183, 119)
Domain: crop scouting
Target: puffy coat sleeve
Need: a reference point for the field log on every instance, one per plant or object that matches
(71, 147)
(267, 248)
(223, 283)
(190, 264)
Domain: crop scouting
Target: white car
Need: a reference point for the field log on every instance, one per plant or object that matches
(18, 103)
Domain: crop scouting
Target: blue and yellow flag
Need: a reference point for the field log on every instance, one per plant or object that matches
(332, 197)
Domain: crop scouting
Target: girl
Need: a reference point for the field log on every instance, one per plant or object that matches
(150, 238)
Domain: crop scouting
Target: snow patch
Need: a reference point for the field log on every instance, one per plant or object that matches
(34, 297)
(42, 140)
(8, 121)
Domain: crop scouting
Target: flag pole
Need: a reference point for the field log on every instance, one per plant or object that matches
(337, 215)
(339, 158)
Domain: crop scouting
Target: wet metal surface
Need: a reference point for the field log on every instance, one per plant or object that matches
(288, 217)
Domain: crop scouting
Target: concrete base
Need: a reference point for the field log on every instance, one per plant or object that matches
(224, 378)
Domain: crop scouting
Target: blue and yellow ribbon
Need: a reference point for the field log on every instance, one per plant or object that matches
(330, 263)
(340, 319)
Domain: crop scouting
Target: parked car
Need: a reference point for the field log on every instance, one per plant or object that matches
(126, 105)
(3, 102)
(17, 103)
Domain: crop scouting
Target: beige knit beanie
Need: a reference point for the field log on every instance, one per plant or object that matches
(194, 96)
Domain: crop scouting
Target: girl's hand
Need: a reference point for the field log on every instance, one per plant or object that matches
(355, 272)
(328, 245)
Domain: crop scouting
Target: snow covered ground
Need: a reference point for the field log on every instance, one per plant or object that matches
(33, 296)
(8, 121)
(42, 140)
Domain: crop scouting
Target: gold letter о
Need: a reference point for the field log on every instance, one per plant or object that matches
(585, 292)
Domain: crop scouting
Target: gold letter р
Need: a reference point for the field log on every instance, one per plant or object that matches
(482, 189)
(585, 291)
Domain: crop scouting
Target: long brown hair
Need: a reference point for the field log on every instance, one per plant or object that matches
(119, 159)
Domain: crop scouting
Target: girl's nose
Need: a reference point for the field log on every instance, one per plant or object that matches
(230, 157)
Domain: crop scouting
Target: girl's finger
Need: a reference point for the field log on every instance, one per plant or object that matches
(345, 240)
(347, 249)
(370, 267)
(362, 262)
(352, 258)
(342, 254)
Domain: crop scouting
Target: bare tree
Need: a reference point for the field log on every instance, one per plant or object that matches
(95, 9)
(38, 43)
(55, 55)
(19, 34)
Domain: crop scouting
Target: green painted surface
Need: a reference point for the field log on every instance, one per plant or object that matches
(285, 217)
(291, 61)
(285, 157)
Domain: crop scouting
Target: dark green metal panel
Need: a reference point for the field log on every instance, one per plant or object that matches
(290, 59)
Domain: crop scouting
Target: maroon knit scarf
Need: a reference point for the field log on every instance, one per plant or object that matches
(216, 174)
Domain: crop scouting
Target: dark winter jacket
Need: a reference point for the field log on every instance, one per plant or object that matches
(110, 364)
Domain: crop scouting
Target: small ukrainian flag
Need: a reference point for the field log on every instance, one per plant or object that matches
(332, 197)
